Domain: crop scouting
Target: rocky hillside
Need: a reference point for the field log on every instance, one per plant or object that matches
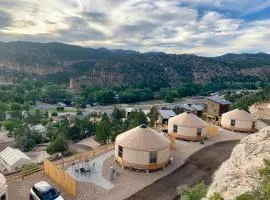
(261, 111)
(239, 174)
(60, 62)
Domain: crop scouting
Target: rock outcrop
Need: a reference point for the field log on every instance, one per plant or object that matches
(260, 110)
(239, 174)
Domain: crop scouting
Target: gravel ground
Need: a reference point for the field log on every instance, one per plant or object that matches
(78, 148)
(6, 144)
(90, 142)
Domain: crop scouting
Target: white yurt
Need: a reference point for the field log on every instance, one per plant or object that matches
(3, 187)
(142, 148)
(238, 120)
(187, 126)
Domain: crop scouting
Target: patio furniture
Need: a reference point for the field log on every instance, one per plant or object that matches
(77, 171)
(88, 171)
(82, 171)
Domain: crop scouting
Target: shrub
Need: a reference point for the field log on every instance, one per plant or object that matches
(216, 196)
(54, 114)
(245, 196)
(196, 192)
(28, 167)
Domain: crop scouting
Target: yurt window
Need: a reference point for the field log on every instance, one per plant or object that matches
(175, 128)
(232, 122)
(199, 131)
(120, 151)
(253, 125)
(153, 157)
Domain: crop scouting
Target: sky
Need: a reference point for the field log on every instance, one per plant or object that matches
(202, 27)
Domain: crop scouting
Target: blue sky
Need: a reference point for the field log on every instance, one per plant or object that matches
(203, 27)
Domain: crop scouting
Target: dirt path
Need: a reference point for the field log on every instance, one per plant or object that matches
(200, 166)
(4, 145)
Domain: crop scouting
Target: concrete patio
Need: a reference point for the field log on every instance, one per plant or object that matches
(95, 176)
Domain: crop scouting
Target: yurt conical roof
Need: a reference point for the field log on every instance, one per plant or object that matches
(239, 114)
(3, 184)
(142, 138)
(187, 119)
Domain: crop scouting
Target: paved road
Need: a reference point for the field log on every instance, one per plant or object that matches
(200, 166)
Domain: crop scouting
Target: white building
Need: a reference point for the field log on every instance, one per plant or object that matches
(12, 160)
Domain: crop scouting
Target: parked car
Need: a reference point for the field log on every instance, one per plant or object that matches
(44, 191)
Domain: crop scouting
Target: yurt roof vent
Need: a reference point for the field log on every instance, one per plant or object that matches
(143, 126)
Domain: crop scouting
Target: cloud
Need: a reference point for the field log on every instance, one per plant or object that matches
(96, 16)
(204, 27)
(5, 19)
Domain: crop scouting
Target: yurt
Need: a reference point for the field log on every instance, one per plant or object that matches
(142, 148)
(187, 126)
(3, 187)
(238, 120)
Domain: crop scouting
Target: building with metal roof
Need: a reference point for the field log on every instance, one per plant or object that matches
(164, 116)
(142, 148)
(194, 108)
(12, 159)
(187, 126)
(216, 106)
(219, 100)
(238, 120)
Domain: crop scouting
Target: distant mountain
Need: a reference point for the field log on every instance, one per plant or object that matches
(246, 59)
(59, 62)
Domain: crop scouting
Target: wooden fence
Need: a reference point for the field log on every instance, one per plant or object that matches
(60, 177)
(212, 130)
(82, 156)
(22, 174)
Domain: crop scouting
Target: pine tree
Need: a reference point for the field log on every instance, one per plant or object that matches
(103, 131)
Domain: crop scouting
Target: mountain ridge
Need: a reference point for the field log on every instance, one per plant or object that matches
(59, 62)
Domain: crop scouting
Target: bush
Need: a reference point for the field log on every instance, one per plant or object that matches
(246, 196)
(169, 99)
(216, 196)
(196, 192)
(54, 114)
(264, 188)
(28, 167)
(60, 109)
(59, 145)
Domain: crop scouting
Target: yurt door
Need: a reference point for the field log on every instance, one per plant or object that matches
(199, 132)
(153, 159)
